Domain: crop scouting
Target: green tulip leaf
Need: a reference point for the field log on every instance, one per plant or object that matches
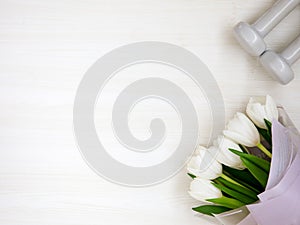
(257, 172)
(238, 188)
(191, 175)
(269, 126)
(211, 209)
(226, 202)
(265, 134)
(244, 177)
(235, 194)
(259, 162)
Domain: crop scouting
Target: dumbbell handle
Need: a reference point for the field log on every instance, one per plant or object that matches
(274, 15)
(292, 53)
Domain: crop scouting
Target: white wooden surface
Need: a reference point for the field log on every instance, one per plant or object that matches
(45, 48)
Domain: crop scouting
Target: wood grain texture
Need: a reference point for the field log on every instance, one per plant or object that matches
(46, 47)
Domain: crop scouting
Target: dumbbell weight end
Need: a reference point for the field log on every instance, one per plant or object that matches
(277, 67)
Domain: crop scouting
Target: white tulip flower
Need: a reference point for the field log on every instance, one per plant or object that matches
(260, 108)
(204, 164)
(241, 130)
(202, 190)
(225, 156)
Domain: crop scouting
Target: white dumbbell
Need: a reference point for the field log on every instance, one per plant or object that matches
(251, 37)
(279, 65)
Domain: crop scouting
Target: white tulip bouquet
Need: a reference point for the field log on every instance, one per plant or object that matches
(235, 169)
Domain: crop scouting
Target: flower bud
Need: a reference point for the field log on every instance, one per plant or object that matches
(241, 130)
(204, 164)
(260, 108)
(202, 190)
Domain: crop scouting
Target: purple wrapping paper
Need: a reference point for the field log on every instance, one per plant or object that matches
(279, 204)
(282, 207)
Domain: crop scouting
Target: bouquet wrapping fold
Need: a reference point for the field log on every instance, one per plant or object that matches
(278, 204)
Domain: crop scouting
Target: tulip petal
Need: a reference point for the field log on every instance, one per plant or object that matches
(249, 128)
(257, 114)
(241, 130)
(204, 165)
(271, 109)
(225, 156)
(239, 138)
(260, 108)
(202, 189)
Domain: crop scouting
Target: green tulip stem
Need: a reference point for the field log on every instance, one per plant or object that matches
(264, 150)
(225, 177)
